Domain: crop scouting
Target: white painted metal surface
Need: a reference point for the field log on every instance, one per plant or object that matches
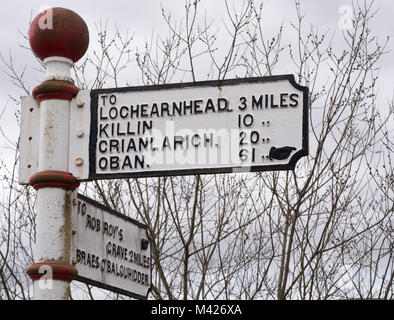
(58, 68)
(29, 138)
(126, 132)
(198, 128)
(54, 132)
(107, 249)
(79, 135)
(53, 234)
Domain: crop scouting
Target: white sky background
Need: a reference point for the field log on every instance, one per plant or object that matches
(144, 17)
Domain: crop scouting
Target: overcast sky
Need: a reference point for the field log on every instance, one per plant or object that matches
(143, 17)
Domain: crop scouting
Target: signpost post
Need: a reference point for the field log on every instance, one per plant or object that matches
(68, 136)
(58, 37)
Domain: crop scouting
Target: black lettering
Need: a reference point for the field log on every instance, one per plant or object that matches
(208, 139)
(137, 258)
(248, 120)
(109, 248)
(124, 112)
(197, 106)
(164, 108)
(146, 126)
(139, 161)
(118, 132)
(166, 143)
(154, 110)
(258, 104)
(177, 107)
(129, 129)
(131, 146)
(92, 223)
(101, 147)
(195, 140)
(112, 99)
(144, 112)
(81, 208)
(210, 106)
(114, 145)
(96, 262)
(243, 103)
(254, 137)
(105, 230)
(115, 229)
(134, 111)
(222, 104)
(103, 163)
(79, 256)
(113, 113)
(104, 97)
(242, 136)
(114, 162)
(103, 129)
(187, 107)
(273, 105)
(88, 262)
(294, 98)
(178, 140)
(101, 115)
(127, 162)
(153, 148)
(283, 100)
(143, 144)
(88, 221)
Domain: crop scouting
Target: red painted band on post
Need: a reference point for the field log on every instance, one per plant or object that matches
(54, 179)
(55, 89)
(57, 271)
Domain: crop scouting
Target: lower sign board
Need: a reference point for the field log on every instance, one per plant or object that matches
(110, 250)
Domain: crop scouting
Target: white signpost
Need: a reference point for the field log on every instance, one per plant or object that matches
(239, 125)
(110, 250)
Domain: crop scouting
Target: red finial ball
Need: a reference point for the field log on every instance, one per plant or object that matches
(59, 32)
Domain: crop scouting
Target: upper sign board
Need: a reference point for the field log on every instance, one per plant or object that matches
(238, 125)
